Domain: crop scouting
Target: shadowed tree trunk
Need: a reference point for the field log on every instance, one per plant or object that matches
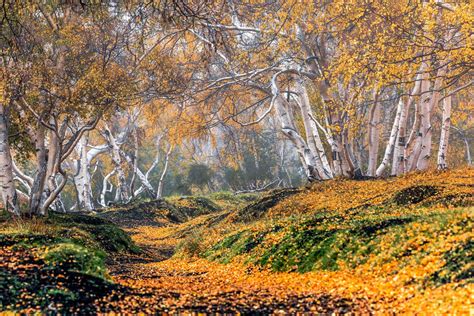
(9, 195)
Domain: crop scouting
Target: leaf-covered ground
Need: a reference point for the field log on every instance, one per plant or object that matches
(381, 246)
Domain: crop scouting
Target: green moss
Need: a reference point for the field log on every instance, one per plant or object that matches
(230, 200)
(259, 208)
(59, 259)
(72, 257)
(459, 265)
(327, 239)
(93, 231)
(414, 194)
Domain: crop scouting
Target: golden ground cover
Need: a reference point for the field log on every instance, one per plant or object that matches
(418, 259)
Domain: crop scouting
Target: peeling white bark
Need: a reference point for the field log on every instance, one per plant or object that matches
(391, 141)
(313, 138)
(122, 190)
(444, 138)
(374, 135)
(306, 155)
(82, 178)
(105, 188)
(399, 163)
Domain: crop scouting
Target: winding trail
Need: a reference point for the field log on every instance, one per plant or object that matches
(162, 283)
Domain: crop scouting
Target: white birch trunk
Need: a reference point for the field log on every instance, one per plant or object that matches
(139, 173)
(37, 190)
(313, 138)
(288, 128)
(135, 159)
(161, 182)
(428, 102)
(82, 178)
(105, 188)
(398, 164)
(444, 138)
(334, 133)
(425, 126)
(9, 194)
(391, 141)
(122, 190)
(468, 152)
(374, 135)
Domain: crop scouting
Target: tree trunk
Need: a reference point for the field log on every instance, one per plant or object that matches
(399, 163)
(444, 138)
(391, 141)
(141, 176)
(334, 133)
(105, 188)
(159, 191)
(82, 178)
(428, 102)
(37, 190)
(288, 128)
(374, 136)
(9, 194)
(313, 139)
(122, 190)
(52, 171)
(135, 159)
(468, 152)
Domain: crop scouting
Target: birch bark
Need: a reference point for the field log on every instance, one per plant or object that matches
(9, 194)
(374, 135)
(161, 182)
(444, 138)
(313, 138)
(391, 141)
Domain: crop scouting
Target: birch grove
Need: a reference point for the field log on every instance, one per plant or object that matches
(112, 103)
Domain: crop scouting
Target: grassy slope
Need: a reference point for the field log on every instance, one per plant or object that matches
(411, 237)
(57, 262)
(402, 244)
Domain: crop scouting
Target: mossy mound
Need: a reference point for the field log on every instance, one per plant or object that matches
(100, 232)
(420, 222)
(57, 264)
(258, 209)
(231, 201)
(414, 194)
(148, 213)
(159, 213)
(192, 206)
(30, 281)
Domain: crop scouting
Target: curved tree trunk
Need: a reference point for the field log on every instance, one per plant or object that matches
(161, 183)
(391, 141)
(313, 139)
(37, 190)
(306, 155)
(122, 189)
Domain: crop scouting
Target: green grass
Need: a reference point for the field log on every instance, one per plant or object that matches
(324, 242)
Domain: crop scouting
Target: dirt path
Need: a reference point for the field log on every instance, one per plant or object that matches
(164, 284)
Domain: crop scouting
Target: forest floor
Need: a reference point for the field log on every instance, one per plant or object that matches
(380, 246)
